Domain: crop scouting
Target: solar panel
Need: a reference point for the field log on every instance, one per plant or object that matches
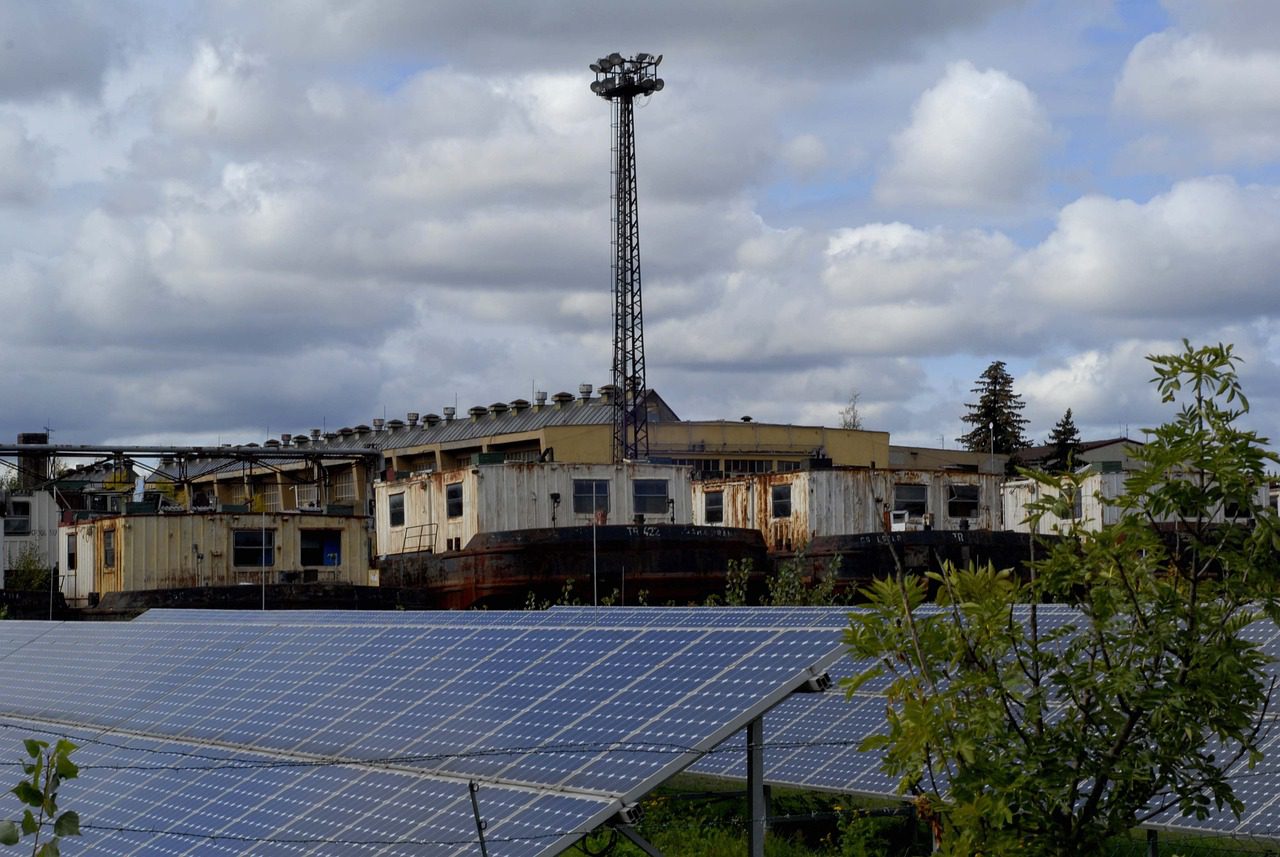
(562, 722)
(811, 742)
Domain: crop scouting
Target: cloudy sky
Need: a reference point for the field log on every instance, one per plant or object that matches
(227, 220)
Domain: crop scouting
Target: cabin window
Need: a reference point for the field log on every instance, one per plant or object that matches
(321, 547)
(650, 496)
(71, 551)
(912, 499)
(713, 507)
(18, 523)
(453, 500)
(395, 509)
(253, 548)
(788, 466)
(590, 496)
(780, 498)
(108, 548)
(962, 501)
(1077, 503)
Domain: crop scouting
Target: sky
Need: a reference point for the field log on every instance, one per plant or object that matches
(227, 220)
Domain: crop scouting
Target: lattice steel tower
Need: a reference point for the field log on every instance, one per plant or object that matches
(620, 80)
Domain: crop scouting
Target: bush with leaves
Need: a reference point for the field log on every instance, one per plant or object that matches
(45, 772)
(27, 570)
(1034, 737)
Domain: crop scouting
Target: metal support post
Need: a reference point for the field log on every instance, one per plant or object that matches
(480, 824)
(756, 804)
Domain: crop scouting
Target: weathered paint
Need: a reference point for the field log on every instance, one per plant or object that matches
(625, 564)
(843, 501)
(188, 550)
(1095, 508)
(513, 496)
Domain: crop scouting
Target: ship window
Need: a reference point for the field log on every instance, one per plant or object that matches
(19, 521)
(590, 495)
(912, 499)
(650, 496)
(253, 548)
(781, 501)
(395, 509)
(713, 507)
(963, 501)
(321, 547)
(108, 548)
(453, 500)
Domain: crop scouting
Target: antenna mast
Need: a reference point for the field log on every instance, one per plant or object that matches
(620, 80)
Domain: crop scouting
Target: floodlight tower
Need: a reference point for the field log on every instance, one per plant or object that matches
(620, 80)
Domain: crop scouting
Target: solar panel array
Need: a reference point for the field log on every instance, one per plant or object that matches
(553, 711)
(342, 732)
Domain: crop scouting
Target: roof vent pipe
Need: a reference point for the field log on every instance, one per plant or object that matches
(413, 418)
(540, 397)
(315, 434)
(378, 423)
(584, 390)
(286, 439)
(449, 411)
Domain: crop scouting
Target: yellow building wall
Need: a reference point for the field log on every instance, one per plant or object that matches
(768, 441)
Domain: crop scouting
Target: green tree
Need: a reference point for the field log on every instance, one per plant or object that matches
(38, 790)
(1065, 440)
(1035, 734)
(996, 415)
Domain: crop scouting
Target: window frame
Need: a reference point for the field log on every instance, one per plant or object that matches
(779, 506)
(395, 509)
(708, 506)
(975, 502)
(264, 548)
(650, 503)
(309, 551)
(453, 500)
(903, 504)
(590, 502)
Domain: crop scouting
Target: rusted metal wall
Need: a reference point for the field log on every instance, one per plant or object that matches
(183, 550)
(843, 501)
(513, 496)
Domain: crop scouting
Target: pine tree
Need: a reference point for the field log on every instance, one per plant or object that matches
(1065, 440)
(998, 414)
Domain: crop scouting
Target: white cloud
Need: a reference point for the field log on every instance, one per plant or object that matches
(1230, 96)
(1208, 248)
(976, 139)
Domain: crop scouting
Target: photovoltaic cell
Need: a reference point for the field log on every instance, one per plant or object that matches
(203, 734)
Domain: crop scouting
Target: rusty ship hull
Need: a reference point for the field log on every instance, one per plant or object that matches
(620, 564)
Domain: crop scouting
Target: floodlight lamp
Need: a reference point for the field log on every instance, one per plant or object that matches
(657, 61)
(595, 66)
(658, 84)
(596, 86)
(615, 58)
(642, 57)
